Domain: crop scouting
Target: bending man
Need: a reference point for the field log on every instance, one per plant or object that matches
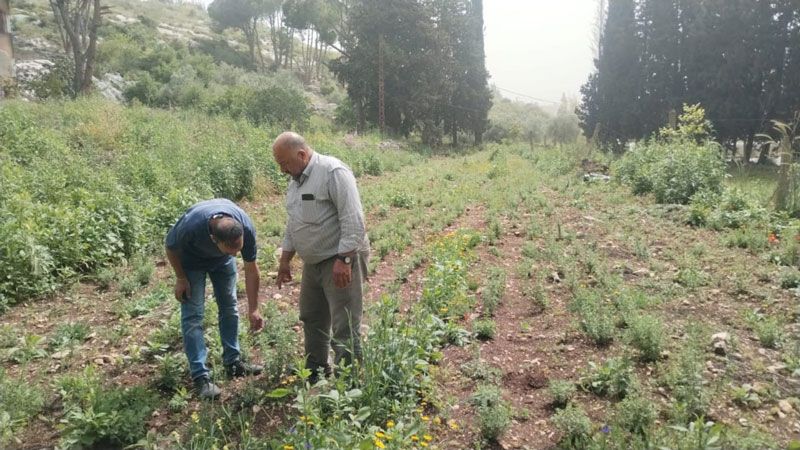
(205, 241)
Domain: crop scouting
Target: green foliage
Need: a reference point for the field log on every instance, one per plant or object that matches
(562, 392)
(635, 414)
(611, 379)
(646, 333)
(692, 126)
(19, 402)
(96, 416)
(171, 372)
(276, 340)
(790, 278)
(68, 334)
(574, 425)
(494, 413)
(484, 329)
(596, 317)
(673, 171)
(685, 378)
(493, 291)
(768, 329)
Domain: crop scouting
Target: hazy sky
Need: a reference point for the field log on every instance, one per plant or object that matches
(541, 48)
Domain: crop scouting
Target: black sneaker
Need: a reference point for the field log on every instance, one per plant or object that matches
(205, 389)
(240, 368)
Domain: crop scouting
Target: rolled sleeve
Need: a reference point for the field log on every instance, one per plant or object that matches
(344, 194)
(287, 245)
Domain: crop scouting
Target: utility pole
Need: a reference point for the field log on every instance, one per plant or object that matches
(381, 88)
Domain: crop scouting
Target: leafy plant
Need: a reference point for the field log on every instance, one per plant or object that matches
(494, 413)
(96, 416)
(646, 333)
(574, 425)
(484, 329)
(562, 392)
(636, 414)
(612, 379)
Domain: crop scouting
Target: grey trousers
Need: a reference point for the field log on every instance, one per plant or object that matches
(331, 316)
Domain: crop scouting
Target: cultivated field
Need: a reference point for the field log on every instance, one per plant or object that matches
(511, 305)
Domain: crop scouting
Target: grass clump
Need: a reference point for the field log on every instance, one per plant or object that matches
(485, 329)
(575, 427)
(635, 414)
(646, 334)
(19, 402)
(562, 392)
(494, 413)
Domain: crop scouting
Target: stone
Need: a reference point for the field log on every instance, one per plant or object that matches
(776, 368)
(743, 422)
(785, 406)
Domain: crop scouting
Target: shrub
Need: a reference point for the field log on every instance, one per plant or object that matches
(484, 329)
(494, 414)
(171, 371)
(574, 425)
(611, 379)
(494, 291)
(769, 332)
(635, 414)
(674, 171)
(790, 278)
(685, 378)
(562, 392)
(646, 333)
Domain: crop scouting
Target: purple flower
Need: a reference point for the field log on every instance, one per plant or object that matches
(308, 445)
(606, 429)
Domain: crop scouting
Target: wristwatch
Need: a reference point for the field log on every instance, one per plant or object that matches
(345, 259)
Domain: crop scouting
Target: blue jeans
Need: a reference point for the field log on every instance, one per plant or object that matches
(223, 279)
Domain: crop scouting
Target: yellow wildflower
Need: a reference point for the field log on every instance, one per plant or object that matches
(414, 438)
(379, 434)
(288, 447)
(437, 420)
(452, 424)
(427, 437)
(390, 424)
(379, 443)
(425, 418)
(423, 444)
(195, 417)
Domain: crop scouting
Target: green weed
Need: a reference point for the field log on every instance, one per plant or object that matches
(562, 392)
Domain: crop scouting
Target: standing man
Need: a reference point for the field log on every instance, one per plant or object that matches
(205, 241)
(326, 228)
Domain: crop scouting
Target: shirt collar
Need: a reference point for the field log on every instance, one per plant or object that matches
(307, 171)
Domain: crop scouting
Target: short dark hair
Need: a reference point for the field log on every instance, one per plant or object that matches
(227, 230)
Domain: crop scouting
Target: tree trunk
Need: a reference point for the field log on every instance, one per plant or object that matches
(784, 177)
(762, 156)
(748, 147)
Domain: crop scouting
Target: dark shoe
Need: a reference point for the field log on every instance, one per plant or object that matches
(314, 378)
(240, 368)
(205, 389)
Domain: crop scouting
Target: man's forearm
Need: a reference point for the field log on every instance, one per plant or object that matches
(175, 261)
(252, 282)
(286, 256)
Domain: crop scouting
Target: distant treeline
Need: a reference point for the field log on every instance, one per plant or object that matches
(740, 59)
(408, 65)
